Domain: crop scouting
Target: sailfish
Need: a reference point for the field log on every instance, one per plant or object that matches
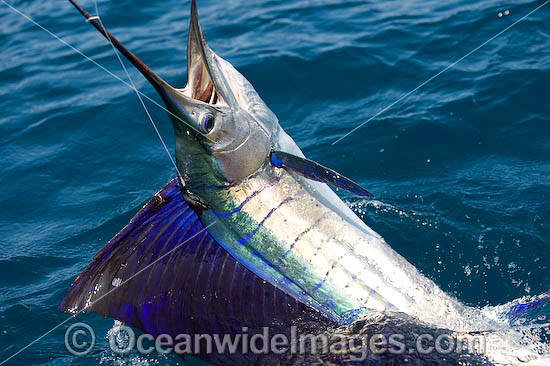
(249, 233)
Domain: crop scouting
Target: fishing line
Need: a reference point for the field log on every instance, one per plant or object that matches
(107, 293)
(140, 94)
(89, 59)
(440, 72)
(133, 85)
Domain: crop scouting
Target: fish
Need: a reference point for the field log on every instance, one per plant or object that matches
(250, 232)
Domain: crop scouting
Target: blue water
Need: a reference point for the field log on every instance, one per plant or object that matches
(460, 169)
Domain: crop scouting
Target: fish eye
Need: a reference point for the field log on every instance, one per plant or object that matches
(207, 123)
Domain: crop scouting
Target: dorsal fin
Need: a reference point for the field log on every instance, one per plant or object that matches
(180, 281)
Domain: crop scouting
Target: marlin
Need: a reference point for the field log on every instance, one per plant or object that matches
(249, 233)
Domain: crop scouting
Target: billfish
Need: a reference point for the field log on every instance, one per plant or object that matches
(250, 232)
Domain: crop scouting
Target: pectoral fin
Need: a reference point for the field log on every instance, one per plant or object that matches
(311, 170)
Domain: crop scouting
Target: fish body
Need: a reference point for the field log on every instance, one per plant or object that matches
(247, 209)
(292, 231)
(296, 235)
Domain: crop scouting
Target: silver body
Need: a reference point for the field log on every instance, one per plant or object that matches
(329, 253)
(293, 232)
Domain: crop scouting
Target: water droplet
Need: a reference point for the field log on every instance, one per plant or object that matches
(116, 281)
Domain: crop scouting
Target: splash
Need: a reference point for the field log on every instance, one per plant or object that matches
(515, 333)
(133, 358)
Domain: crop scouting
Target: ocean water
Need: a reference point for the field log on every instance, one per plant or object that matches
(460, 168)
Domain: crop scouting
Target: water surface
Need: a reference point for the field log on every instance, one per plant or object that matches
(460, 169)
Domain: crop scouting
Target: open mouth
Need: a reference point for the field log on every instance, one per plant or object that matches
(209, 95)
(199, 84)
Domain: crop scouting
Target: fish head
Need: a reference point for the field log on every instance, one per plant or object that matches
(224, 131)
(220, 112)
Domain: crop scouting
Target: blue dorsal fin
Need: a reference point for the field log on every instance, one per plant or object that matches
(311, 170)
(164, 274)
